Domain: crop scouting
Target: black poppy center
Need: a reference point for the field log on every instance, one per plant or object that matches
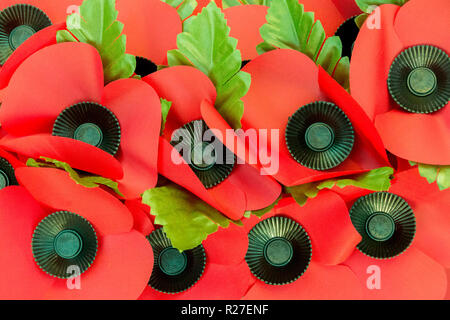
(319, 136)
(422, 81)
(19, 35)
(380, 226)
(89, 133)
(68, 244)
(172, 262)
(4, 180)
(144, 67)
(7, 176)
(203, 156)
(278, 252)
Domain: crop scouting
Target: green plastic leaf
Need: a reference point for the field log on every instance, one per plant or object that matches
(233, 3)
(98, 26)
(375, 180)
(260, 213)
(434, 173)
(205, 44)
(360, 19)
(165, 107)
(187, 220)
(368, 5)
(184, 7)
(288, 26)
(85, 181)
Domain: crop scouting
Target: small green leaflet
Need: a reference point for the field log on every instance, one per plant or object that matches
(205, 44)
(438, 174)
(375, 180)
(368, 5)
(233, 3)
(187, 220)
(165, 107)
(288, 26)
(184, 7)
(260, 213)
(86, 181)
(98, 26)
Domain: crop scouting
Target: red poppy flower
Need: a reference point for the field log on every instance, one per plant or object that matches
(100, 225)
(50, 93)
(284, 81)
(400, 37)
(225, 275)
(333, 239)
(188, 89)
(420, 271)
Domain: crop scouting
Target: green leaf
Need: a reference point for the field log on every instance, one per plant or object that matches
(165, 107)
(98, 26)
(233, 3)
(368, 5)
(85, 181)
(360, 19)
(187, 220)
(288, 26)
(205, 44)
(375, 180)
(184, 7)
(434, 173)
(260, 213)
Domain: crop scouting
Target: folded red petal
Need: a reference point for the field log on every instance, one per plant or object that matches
(347, 8)
(141, 217)
(326, 12)
(136, 105)
(120, 271)
(48, 82)
(55, 189)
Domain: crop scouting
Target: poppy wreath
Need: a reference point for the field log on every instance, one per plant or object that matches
(224, 149)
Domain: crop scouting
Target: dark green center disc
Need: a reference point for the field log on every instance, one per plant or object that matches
(7, 176)
(68, 244)
(380, 226)
(19, 35)
(422, 81)
(203, 156)
(278, 252)
(89, 133)
(319, 136)
(4, 180)
(172, 262)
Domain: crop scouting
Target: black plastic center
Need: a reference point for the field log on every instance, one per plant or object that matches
(172, 262)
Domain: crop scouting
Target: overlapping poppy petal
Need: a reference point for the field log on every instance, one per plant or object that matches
(187, 89)
(284, 81)
(101, 248)
(407, 119)
(61, 89)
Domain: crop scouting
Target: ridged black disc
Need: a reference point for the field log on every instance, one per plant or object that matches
(7, 176)
(91, 123)
(211, 161)
(319, 135)
(386, 224)
(419, 79)
(174, 271)
(17, 24)
(144, 67)
(61, 240)
(348, 32)
(279, 250)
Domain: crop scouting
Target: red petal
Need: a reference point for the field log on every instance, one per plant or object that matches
(13, 161)
(244, 23)
(318, 282)
(326, 12)
(424, 22)
(152, 32)
(39, 40)
(347, 8)
(47, 83)
(412, 275)
(142, 221)
(140, 128)
(77, 154)
(203, 3)
(55, 189)
(120, 271)
(20, 278)
(372, 56)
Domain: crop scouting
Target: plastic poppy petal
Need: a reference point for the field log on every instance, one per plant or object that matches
(20, 278)
(77, 154)
(44, 38)
(51, 83)
(412, 23)
(403, 132)
(347, 8)
(55, 189)
(244, 23)
(140, 128)
(121, 258)
(380, 46)
(203, 3)
(410, 276)
(186, 88)
(326, 12)
(142, 221)
(318, 282)
(151, 33)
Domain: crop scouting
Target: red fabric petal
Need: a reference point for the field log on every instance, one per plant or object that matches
(326, 12)
(140, 128)
(13, 161)
(410, 276)
(55, 189)
(39, 40)
(447, 296)
(142, 221)
(20, 278)
(120, 271)
(372, 56)
(244, 23)
(51, 83)
(318, 282)
(203, 3)
(347, 8)
(152, 32)
(77, 154)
